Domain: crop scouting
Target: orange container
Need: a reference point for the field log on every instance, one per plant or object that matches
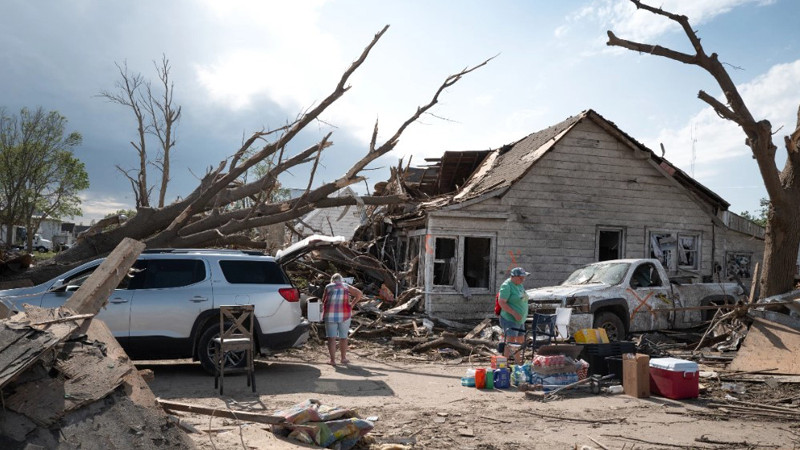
(480, 378)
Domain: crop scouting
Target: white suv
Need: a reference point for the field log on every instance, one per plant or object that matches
(169, 306)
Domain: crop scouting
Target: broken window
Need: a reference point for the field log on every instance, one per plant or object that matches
(444, 262)
(687, 251)
(676, 250)
(610, 244)
(662, 248)
(738, 264)
(413, 259)
(477, 251)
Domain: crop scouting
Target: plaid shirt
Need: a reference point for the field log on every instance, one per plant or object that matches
(337, 302)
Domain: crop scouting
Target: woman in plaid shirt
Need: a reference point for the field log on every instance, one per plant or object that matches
(338, 301)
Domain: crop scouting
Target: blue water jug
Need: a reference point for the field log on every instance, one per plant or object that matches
(502, 379)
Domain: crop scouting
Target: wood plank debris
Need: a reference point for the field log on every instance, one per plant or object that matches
(247, 416)
(65, 379)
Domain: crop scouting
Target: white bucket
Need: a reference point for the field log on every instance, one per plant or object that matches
(314, 310)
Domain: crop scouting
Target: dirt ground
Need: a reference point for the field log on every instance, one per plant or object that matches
(421, 403)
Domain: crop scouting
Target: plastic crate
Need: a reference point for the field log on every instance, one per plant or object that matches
(596, 355)
(614, 365)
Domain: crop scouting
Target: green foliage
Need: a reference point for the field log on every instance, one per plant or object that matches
(129, 213)
(39, 176)
(761, 218)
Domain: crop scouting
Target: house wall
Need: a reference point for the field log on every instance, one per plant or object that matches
(737, 253)
(589, 179)
(49, 228)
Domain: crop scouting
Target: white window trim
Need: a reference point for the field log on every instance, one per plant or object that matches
(698, 235)
(459, 285)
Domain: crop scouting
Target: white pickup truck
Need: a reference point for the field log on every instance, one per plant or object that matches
(628, 295)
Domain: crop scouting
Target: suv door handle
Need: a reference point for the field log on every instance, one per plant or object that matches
(117, 300)
(198, 299)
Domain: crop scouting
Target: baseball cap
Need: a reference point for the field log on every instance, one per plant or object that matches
(519, 272)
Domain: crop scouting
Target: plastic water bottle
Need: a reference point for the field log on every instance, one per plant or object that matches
(616, 389)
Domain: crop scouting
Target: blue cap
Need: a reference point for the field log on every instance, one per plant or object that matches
(519, 272)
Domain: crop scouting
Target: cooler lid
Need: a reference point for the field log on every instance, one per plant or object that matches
(674, 364)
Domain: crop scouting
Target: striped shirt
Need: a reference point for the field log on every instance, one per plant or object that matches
(337, 302)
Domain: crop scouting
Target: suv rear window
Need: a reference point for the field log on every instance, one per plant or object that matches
(253, 272)
(167, 273)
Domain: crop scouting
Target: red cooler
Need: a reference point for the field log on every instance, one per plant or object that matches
(674, 378)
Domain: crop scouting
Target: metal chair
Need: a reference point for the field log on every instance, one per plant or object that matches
(235, 338)
(544, 325)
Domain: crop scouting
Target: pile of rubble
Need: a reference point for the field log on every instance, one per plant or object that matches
(63, 376)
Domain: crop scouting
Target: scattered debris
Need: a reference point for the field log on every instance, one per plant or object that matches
(65, 379)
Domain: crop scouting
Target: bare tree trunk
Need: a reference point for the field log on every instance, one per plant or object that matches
(163, 118)
(783, 232)
(129, 96)
(783, 186)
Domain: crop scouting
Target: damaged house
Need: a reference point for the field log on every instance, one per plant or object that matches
(577, 192)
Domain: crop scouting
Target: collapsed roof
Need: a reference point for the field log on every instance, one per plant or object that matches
(458, 177)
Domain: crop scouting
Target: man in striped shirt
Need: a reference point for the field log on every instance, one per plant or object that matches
(338, 300)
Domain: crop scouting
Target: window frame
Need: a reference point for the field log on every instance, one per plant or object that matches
(144, 283)
(674, 264)
(428, 246)
(610, 228)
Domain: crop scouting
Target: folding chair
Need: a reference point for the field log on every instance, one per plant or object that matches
(544, 325)
(235, 338)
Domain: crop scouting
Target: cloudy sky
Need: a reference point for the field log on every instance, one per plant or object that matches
(245, 65)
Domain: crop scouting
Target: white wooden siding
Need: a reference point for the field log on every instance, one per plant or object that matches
(588, 179)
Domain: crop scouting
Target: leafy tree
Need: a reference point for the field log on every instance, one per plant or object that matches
(761, 218)
(39, 176)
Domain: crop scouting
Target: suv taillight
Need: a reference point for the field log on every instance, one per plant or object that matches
(290, 294)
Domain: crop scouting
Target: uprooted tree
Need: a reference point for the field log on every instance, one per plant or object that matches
(212, 215)
(783, 186)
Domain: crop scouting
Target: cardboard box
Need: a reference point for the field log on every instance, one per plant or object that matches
(636, 375)
(674, 378)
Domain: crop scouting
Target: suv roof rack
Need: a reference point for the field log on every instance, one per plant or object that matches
(205, 250)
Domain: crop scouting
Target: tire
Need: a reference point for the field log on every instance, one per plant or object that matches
(614, 326)
(41, 249)
(205, 352)
(708, 314)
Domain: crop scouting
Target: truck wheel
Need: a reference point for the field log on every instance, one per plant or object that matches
(41, 249)
(615, 328)
(205, 352)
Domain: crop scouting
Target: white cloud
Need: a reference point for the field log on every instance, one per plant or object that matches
(271, 49)
(629, 23)
(95, 208)
(774, 96)
(721, 160)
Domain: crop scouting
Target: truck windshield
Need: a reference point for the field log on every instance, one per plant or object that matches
(610, 274)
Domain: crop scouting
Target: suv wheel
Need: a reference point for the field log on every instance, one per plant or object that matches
(205, 352)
